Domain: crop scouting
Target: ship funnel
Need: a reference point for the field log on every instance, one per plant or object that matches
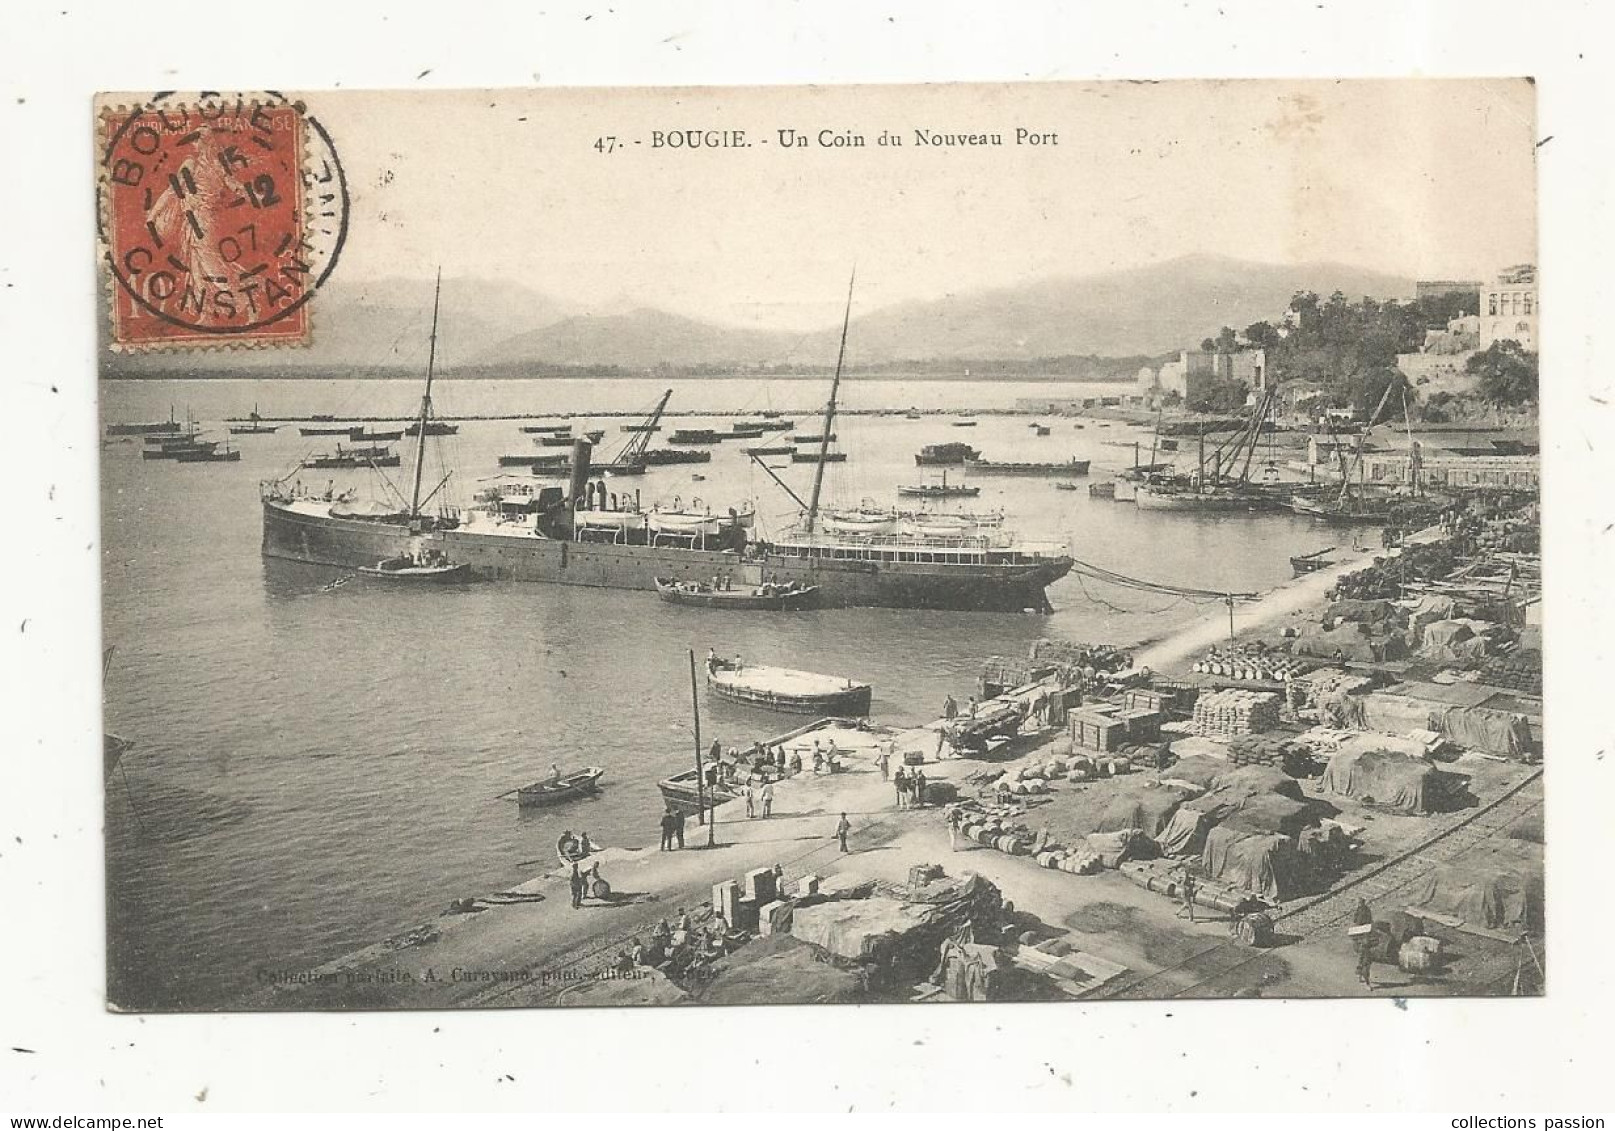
(581, 450)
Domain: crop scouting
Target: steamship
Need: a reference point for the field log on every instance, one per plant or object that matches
(583, 534)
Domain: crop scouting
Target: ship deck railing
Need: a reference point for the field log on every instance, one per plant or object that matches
(915, 548)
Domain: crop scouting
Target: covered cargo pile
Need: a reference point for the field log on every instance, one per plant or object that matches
(1199, 770)
(1138, 803)
(1270, 813)
(1488, 729)
(1270, 751)
(1328, 691)
(897, 935)
(971, 971)
(1185, 834)
(779, 970)
(1254, 780)
(1496, 884)
(1266, 864)
(1274, 800)
(1412, 707)
(1235, 711)
(1371, 612)
(1454, 641)
(1351, 640)
(1395, 781)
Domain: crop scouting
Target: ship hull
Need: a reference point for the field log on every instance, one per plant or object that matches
(979, 587)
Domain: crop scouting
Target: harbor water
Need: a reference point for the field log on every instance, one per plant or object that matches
(318, 759)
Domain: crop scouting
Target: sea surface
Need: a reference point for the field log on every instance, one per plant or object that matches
(318, 763)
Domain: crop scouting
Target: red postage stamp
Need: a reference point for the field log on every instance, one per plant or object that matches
(220, 217)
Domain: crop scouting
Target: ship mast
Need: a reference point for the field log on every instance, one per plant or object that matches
(426, 402)
(830, 412)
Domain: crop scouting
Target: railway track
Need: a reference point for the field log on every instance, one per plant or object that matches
(1380, 886)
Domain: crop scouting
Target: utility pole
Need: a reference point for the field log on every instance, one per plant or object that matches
(700, 775)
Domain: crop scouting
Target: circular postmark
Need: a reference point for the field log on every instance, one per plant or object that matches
(221, 216)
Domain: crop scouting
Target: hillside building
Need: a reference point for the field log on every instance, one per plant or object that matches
(1509, 307)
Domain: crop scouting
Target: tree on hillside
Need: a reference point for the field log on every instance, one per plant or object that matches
(1364, 390)
(1219, 396)
(1506, 373)
(1438, 310)
(1262, 335)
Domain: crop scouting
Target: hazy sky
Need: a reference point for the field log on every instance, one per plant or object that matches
(1420, 178)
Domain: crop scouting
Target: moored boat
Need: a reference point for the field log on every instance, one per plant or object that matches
(1353, 510)
(660, 457)
(378, 436)
(412, 568)
(433, 428)
(352, 458)
(569, 786)
(145, 428)
(800, 456)
(683, 792)
(1219, 497)
(252, 425)
(694, 436)
(545, 540)
(943, 490)
(767, 597)
(786, 689)
(208, 455)
(770, 450)
(945, 455)
(1311, 563)
(994, 467)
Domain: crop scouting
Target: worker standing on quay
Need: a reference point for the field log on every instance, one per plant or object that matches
(885, 762)
(678, 826)
(667, 830)
(768, 798)
(901, 782)
(1186, 890)
(950, 709)
(842, 829)
(577, 886)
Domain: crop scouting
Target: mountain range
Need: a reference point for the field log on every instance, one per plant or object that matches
(505, 329)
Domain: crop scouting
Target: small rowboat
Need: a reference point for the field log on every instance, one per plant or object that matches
(408, 569)
(1311, 563)
(1065, 487)
(578, 783)
(775, 598)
